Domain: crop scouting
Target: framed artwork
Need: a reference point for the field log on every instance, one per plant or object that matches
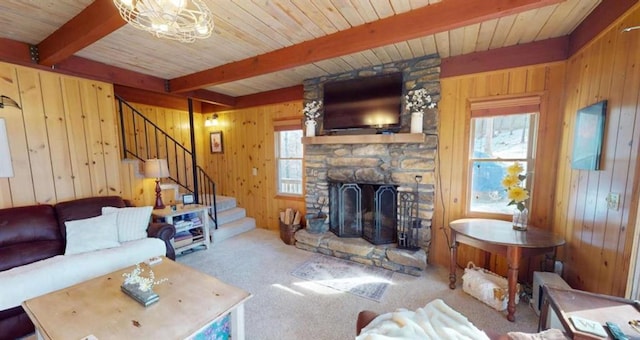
(188, 199)
(588, 137)
(216, 142)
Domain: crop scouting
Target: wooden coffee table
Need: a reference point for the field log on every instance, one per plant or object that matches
(190, 301)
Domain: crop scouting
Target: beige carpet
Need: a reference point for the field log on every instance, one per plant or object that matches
(284, 307)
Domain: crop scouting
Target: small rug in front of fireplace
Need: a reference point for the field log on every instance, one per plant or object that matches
(358, 279)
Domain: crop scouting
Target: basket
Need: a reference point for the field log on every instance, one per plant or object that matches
(287, 231)
(487, 287)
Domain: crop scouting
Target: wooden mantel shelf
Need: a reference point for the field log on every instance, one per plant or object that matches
(367, 139)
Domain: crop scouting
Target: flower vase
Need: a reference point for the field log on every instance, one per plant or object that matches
(416, 122)
(520, 219)
(311, 127)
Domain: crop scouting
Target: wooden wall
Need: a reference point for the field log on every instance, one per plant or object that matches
(454, 116)
(140, 190)
(599, 240)
(63, 142)
(248, 143)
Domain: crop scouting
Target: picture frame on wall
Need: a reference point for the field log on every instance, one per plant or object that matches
(588, 137)
(216, 142)
(188, 199)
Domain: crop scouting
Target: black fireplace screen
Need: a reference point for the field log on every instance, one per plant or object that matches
(363, 210)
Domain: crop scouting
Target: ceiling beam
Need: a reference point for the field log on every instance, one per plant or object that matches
(134, 95)
(211, 97)
(95, 22)
(597, 21)
(439, 17)
(539, 52)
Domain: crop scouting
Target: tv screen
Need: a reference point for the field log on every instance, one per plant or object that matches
(371, 102)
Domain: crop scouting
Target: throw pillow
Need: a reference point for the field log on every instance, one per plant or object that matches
(132, 222)
(91, 234)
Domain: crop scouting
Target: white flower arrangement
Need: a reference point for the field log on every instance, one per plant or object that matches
(312, 109)
(144, 283)
(418, 101)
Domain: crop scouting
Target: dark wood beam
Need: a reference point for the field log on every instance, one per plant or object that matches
(95, 70)
(597, 21)
(538, 52)
(439, 17)
(95, 22)
(211, 97)
(133, 95)
(15, 52)
(282, 95)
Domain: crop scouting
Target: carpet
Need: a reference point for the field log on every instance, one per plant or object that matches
(358, 279)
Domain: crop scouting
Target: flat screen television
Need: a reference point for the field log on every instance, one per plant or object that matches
(369, 102)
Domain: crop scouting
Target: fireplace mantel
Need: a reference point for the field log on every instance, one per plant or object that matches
(367, 139)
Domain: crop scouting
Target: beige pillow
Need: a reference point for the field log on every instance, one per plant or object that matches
(91, 234)
(132, 222)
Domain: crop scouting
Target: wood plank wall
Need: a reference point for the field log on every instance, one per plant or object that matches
(140, 190)
(598, 252)
(63, 142)
(454, 145)
(248, 143)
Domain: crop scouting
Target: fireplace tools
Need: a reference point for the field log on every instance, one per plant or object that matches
(409, 221)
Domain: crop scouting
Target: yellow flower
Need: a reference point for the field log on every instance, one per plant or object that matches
(509, 181)
(515, 169)
(517, 194)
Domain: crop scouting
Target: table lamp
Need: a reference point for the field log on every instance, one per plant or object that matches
(157, 168)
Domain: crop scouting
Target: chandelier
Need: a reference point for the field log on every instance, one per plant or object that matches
(182, 20)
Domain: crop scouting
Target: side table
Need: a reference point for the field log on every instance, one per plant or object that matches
(192, 220)
(596, 307)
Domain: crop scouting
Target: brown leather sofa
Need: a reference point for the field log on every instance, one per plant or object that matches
(33, 233)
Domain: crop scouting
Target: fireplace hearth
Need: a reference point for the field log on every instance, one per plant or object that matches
(363, 210)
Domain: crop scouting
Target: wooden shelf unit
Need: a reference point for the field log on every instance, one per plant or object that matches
(367, 139)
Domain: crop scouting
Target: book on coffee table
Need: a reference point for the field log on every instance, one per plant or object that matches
(588, 326)
(145, 298)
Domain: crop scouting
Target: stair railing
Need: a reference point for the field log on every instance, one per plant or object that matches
(143, 139)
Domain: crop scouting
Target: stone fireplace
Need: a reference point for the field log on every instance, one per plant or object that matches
(376, 161)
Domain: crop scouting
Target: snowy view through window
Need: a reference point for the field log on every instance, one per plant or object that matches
(289, 154)
(498, 142)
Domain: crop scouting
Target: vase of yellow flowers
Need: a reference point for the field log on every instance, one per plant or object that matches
(517, 195)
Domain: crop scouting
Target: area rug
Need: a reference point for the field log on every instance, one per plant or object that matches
(358, 279)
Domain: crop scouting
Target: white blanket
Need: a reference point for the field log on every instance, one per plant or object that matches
(435, 321)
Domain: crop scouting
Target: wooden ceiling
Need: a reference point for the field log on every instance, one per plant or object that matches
(264, 47)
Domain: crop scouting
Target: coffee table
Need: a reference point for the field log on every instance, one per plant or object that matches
(190, 302)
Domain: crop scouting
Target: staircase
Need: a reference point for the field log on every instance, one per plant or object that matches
(232, 220)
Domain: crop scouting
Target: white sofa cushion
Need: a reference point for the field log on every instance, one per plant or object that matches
(132, 221)
(58, 272)
(91, 234)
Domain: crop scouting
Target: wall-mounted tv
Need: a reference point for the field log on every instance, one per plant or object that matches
(369, 102)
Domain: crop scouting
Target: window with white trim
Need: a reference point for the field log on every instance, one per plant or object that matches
(288, 147)
(502, 132)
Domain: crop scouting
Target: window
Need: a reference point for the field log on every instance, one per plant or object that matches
(500, 135)
(289, 159)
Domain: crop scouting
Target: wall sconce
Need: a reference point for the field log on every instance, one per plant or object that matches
(6, 101)
(6, 169)
(157, 168)
(213, 121)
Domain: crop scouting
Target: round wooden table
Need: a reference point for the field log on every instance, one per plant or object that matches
(499, 237)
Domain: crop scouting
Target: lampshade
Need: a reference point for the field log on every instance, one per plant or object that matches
(182, 20)
(6, 169)
(156, 168)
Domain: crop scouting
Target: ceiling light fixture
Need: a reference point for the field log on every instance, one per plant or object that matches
(182, 20)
